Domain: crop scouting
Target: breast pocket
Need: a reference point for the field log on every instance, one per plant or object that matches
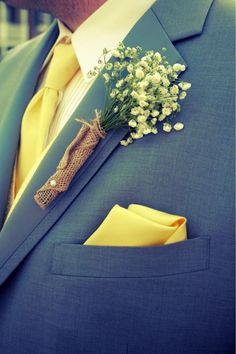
(131, 262)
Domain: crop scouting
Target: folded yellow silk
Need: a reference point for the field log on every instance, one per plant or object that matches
(138, 226)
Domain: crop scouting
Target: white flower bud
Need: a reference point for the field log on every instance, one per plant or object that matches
(114, 93)
(154, 121)
(154, 131)
(166, 111)
(142, 119)
(178, 126)
(135, 111)
(185, 86)
(115, 53)
(147, 131)
(134, 94)
(106, 77)
(174, 106)
(165, 82)
(161, 117)
(143, 103)
(130, 68)
(182, 95)
(139, 73)
(132, 123)
(179, 67)
(124, 143)
(155, 113)
(146, 113)
(167, 127)
(125, 93)
(174, 90)
(109, 66)
(162, 69)
(156, 78)
(157, 57)
(163, 91)
(120, 83)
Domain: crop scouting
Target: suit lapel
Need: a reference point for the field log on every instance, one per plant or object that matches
(182, 19)
(21, 233)
(14, 98)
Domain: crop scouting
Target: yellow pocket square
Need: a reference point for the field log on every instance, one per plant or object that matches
(138, 226)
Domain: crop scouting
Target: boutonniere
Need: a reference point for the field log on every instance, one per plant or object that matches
(143, 94)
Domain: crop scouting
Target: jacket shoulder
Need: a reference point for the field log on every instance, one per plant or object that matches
(20, 49)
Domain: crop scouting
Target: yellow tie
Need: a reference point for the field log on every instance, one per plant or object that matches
(41, 110)
(138, 226)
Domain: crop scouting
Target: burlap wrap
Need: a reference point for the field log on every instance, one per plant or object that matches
(73, 159)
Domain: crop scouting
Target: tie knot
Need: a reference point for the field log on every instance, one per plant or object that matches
(62, 67)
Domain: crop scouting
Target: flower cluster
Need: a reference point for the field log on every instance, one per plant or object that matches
(143, 91)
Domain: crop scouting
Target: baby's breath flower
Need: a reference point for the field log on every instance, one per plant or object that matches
(156, 78)
(142, 119)
(182, 95)
(174, 90)
(129, 78)
(166, 111)
(162, 69)
(165, 82)
(114, 93)
(147, 131)
(143, 91)
(117, 66)
(106, 77)
(120, 83)
(139, 73)
(120, 97)
(109, 66)
(146, 113)
(155, 113)
(130, 68)
(124, 143)
(144, 64)
(161, 117)
(125, 93)
(91, 74)
(179, 67)
(143, 84)
(142, 96)
(132, 123)
(130, 140)
(185, 86)
(115, 53)
(135, 111)
(174, 106)
(163, 91)
(167, 127)
(154, 121)
(136, 135)
(134, 94)
(178, 126)
(157, 57)
(143, 103)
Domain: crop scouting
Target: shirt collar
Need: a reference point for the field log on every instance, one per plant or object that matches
(103, 29)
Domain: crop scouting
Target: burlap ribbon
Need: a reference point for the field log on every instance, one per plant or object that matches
(73, 159)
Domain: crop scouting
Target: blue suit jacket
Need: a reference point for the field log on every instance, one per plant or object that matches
(58, 296)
